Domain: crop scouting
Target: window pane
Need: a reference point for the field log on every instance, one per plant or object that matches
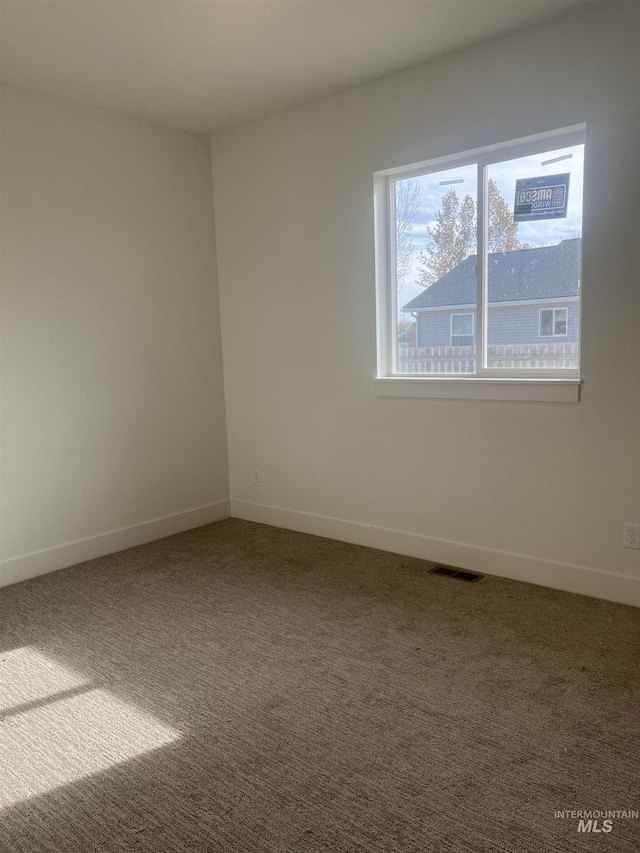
(462, 324)
(436, 223)
(546, 323)
(461, 340)
(560, 326)
(534, 250)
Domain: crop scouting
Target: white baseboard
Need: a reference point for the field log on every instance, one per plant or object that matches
(71, 553)
(564, 576)
(623, 589)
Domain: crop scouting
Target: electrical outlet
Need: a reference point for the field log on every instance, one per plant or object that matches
(632, 536)
(257, 477)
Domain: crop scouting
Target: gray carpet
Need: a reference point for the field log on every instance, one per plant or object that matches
(245, 688)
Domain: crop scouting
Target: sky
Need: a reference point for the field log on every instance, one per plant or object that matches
(505, 174)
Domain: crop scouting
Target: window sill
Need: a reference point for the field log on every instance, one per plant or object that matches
(480, 388)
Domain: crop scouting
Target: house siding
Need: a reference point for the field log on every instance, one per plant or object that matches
(509, 324)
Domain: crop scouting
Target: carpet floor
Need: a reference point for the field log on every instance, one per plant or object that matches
(245, 689)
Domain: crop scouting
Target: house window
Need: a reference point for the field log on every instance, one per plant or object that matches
(496, 232)
(553, 322)
(462, 330)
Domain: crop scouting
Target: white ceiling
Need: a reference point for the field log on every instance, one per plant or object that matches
(202, 65)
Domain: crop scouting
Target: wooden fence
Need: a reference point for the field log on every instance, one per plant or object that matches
(462, 359)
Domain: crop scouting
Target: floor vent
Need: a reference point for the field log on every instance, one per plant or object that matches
(458, 574)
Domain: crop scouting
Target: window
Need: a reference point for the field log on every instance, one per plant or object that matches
(470, 250)
(553, 322)
(462, 330)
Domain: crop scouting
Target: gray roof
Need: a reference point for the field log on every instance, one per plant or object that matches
(545, 273)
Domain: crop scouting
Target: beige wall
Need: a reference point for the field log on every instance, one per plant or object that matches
(552, 483)
(112, 394)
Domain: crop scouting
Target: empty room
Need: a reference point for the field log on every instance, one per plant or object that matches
(320, 426)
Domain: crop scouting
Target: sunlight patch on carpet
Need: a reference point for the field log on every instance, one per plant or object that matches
(55, 728)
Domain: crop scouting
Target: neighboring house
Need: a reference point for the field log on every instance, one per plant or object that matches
(534, 298)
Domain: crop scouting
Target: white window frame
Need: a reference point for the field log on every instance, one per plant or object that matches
(461, 314)
(554, 334)
(552, 384)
